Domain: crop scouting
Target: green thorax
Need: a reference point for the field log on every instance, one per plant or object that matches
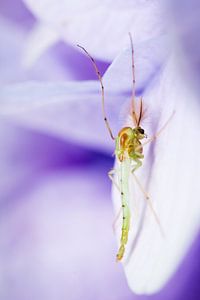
(128, 144)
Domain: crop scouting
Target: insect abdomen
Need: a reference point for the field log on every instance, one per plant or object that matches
(125, 231)
(124, 175)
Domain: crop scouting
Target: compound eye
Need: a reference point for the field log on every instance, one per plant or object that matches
(141, 130)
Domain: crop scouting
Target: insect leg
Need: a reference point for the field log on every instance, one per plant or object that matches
(149, 203)
(102, 91)
(111, 174)
(138, 163)
(140, 186)
(116, 220)
(151, 139)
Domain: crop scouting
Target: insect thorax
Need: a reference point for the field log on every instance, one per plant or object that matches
(128, 143)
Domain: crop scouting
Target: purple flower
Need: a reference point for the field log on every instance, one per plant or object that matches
(56, 217)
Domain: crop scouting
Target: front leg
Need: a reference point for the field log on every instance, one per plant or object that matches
(111, 175)
(138, 163)
(155, 136)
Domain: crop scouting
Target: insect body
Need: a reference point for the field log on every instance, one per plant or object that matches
(129, 153)
(126, 215)
(128, 150)
(128, 144)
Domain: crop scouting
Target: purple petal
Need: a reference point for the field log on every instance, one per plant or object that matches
(55, 223)
(59, 63)
(68, 110)
(184, 16)
(13, 41)
(15, 11)
(26, 154)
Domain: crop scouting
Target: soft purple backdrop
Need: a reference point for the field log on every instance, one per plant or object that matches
(56, 238)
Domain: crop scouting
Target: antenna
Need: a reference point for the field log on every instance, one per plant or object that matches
(102, 91)
(133, 81)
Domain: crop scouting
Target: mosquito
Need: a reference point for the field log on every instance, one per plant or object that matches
(128, 152)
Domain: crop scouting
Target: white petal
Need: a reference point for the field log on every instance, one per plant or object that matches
(57, 11)
(170, 174)
(101, 27)
(149, 56)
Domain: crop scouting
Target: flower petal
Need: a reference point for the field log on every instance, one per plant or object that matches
(13, 42)
(149, 57)
(40, 39)
(77, 21)
(68, 110)
(16, 12)
(185, 27)
(170, 174)
(55, 230)
(25, 155)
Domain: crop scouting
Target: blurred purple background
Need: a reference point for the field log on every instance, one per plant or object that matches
(56, 238)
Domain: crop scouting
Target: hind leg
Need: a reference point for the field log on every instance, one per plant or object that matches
(111, 174)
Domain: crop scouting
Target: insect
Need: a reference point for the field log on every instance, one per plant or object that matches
(128, 152)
